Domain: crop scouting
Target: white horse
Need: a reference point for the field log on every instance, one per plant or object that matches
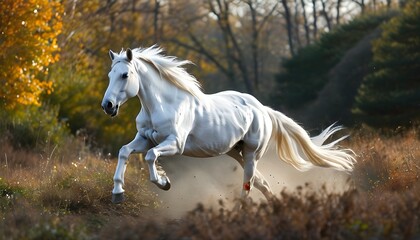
(177, 118)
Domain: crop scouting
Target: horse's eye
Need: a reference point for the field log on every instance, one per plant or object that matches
(124, 75)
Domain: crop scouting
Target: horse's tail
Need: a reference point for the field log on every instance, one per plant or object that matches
(294, 146)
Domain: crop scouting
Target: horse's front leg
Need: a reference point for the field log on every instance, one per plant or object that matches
(138, 145)
(168, 147)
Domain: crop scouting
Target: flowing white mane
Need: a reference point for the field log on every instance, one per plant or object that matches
(169, 68)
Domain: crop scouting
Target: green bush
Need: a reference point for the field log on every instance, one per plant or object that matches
(390, 95)
(33, 127)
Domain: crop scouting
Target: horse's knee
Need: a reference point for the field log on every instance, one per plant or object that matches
(124, 152)
(151, 156)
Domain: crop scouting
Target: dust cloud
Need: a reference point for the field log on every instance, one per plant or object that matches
(208, 180)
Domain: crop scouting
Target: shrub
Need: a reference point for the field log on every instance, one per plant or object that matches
(390, 94)
(33, 127)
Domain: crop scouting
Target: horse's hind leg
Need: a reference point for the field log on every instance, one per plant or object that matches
(259, 181)
(261, 184)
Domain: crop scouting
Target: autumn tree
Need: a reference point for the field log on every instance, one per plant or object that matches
(28, 42)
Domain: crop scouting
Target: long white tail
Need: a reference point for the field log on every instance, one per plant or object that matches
(294, 146)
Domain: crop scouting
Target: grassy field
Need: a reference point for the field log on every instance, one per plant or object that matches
(63, 192)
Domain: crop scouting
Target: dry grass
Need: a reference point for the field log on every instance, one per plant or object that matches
(46, 192)
(64, 194)
(387, 161)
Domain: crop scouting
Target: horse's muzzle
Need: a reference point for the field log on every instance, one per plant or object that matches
(110, 108)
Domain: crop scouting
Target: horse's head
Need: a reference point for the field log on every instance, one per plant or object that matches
(123, 82)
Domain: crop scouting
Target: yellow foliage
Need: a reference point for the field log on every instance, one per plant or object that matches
(28, 43)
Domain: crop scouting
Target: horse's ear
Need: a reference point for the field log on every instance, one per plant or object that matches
(111, 54)
(129, 54)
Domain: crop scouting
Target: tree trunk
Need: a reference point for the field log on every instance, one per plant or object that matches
(289, 26)
(388, 4)
(325, 13)
(337, 17)
(155, 21)
(315, 19)
(362, 6)
(296, 25)
(305, 23)
(254, 43)
(235, 52)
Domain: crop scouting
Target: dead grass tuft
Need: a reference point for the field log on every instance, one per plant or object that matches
(387, 161)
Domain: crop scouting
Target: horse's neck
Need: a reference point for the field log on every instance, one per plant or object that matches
(156, 93)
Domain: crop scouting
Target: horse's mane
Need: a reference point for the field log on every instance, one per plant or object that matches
(169, 68)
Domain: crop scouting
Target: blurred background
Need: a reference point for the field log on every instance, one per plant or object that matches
(319, 61)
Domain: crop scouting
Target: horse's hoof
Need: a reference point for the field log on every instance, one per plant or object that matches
(118, 198)
(167, 185)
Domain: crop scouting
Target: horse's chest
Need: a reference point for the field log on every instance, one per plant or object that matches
(157, 126)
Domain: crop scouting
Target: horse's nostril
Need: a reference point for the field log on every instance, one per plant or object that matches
(109, 105)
